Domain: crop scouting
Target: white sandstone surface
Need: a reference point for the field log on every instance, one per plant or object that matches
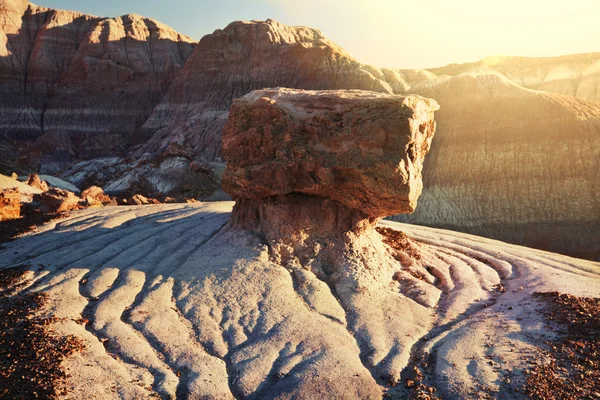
(180, 304)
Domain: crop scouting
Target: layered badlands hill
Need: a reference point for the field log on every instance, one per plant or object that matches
(170, 300)
(80, 86)
(514, 164)
(576, 75)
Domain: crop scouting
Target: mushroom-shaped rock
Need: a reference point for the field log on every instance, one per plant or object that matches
(306, 166)
(364, 150)
(311, 173)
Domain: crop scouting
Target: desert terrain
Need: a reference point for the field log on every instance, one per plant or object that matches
(259, 215)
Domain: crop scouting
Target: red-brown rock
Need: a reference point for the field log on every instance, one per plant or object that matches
(95, 196)
(58, 200)
(364, 150)
(34, 181)
(139, 200)
(10, 204)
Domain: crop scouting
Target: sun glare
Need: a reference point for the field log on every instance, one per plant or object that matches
(432, 33)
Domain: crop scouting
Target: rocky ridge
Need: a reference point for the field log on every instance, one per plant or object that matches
(576, 75)
(80, 86)
(513, 164)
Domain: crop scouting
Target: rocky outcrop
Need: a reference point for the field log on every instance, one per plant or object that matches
(95, 196)
(513, 164)
(361, 149)
(79, 85)
(27, 192)
(10, 204)
(34, 181)
(58, 200)
(139, 200)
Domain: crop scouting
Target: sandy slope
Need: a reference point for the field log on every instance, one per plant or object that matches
(180, 304)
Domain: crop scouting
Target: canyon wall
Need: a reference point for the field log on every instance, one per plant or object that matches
(513, 164)
(79, 86)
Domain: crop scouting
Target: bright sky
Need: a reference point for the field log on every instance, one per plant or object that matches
(391, 33)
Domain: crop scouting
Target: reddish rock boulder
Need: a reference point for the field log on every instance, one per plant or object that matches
(58, 200)
(10, 204)
(95, 196)
(139, 200)
(34, 181)
(364, 150)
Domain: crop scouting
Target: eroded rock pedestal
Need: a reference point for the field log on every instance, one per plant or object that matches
(312, 172)
(311, 166)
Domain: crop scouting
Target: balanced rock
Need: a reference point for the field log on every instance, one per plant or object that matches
(312, 172)
(10, 204)
(364, 150)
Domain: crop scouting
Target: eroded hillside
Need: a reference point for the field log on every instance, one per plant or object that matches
(80, 86)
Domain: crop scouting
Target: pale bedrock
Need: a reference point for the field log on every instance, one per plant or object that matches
(193, 308)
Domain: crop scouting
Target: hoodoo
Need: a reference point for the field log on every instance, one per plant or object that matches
(314, 164)
(312, 172)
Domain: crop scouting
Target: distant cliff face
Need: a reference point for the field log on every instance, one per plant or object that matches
(513, 164)
(78, 85)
